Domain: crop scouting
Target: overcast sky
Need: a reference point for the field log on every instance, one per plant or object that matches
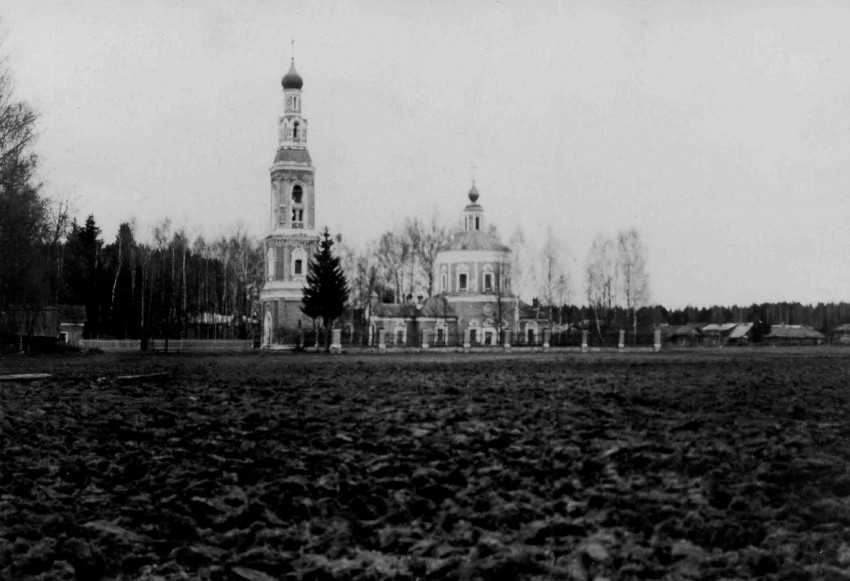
(719, 129)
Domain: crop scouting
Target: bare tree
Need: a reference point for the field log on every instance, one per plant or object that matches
(522, 267)
(432, 237)
(501, 290)
(248, 270)
(59, 221)
(553, 283)
(161, 237)
(394, 253)
(600, 275)
(412, 233)
(634, 279)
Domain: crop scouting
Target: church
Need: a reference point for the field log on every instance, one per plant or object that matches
(474, 305)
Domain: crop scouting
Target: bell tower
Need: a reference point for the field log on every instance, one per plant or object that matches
(292, 211)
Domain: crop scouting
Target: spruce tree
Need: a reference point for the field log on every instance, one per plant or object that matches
(326, 293)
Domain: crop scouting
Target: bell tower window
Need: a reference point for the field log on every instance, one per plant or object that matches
(297, 262)
(461, 282)
(297, 206)
(295, 131)
(477, 223)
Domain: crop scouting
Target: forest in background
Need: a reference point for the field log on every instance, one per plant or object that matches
(167, 283)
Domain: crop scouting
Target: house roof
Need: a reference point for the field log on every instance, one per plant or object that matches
(669, 331)
(740, 330)
(719, 329)
(845, 328)
(793, 332)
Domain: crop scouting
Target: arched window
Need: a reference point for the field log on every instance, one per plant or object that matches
(297, 207)
(477, 223)
(295, 131)
(298, 259)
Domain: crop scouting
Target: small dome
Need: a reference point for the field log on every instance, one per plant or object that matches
(473, 193)
(292, 80)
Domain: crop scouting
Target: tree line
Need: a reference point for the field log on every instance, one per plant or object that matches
(174, 285)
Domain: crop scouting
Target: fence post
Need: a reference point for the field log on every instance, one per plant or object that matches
(546, 333)
(657, 345)
(584, 341)
(466, 344)
(622, 341)
(336, 341)
(382, 340)
(425, 337)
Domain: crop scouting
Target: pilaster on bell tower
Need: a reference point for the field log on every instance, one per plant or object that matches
(293, 235)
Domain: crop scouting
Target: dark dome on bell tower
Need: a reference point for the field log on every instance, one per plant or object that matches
(292, 80)
(473, 193)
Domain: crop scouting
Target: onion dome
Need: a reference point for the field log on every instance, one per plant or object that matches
(292, 80)
(473, 193)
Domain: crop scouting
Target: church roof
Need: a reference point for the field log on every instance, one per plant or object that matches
(394, 310)
(287, 155)
(292, 80)
(437, 307)
(432, 307)
(476, 240)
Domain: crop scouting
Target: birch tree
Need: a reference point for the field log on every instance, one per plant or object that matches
(522, 267)
(600, 277)
(553, 283)
(634, 279)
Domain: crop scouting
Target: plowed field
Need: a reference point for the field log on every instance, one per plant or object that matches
(314, 467)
